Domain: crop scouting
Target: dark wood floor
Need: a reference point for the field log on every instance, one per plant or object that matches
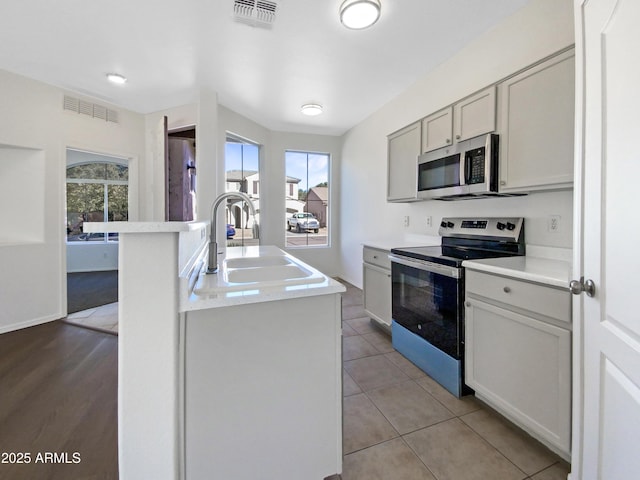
(58, 395)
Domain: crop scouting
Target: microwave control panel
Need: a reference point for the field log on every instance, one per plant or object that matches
(475, 165)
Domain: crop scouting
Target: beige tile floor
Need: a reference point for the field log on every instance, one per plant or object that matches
(104, 318)
(399, 424)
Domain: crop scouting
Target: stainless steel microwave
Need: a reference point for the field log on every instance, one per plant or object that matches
(467, 169)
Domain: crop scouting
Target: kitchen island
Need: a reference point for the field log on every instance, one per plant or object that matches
(230, 375)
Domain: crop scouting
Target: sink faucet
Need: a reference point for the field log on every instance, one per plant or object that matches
(212, 266)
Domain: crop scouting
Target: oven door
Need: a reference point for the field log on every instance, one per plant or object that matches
(427, 299)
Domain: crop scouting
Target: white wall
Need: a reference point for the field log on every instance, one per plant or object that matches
(32, 277)
(539, 29)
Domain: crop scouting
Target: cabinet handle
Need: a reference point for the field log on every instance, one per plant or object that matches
(457, 137)
(502, 182)
(506, 289)
(375, 256)
(448, 140)
(468, 304)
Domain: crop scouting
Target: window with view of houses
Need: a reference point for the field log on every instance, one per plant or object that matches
(307, 199)
(241, 175)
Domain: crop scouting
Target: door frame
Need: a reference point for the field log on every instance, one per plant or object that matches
(133, 199)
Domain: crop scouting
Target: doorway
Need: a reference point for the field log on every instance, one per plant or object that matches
(97, 190)
(180, 175)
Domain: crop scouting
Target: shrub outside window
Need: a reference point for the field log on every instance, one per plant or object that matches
(96, 192)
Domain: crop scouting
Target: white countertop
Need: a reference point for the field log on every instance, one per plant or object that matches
(406, 241)
(141, 227)
(547, 271)
(219, 296)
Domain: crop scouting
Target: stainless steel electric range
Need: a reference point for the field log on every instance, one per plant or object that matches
(427, 293)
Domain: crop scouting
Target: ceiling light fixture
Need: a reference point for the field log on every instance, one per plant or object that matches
(116, 78)
(359, 14)
(311, 109)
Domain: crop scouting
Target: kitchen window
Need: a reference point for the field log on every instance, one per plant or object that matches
(96, 192)
(307, 200)
(242, 174)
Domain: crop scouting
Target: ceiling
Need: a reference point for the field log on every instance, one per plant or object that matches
(171, 50)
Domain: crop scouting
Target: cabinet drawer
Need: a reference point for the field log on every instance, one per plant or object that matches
(377, 257)
(547, 301)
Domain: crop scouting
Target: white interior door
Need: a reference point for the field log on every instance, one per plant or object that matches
(610, 320)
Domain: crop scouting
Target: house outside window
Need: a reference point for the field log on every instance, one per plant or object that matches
(307, 201)
(241, 175)
(96, 192)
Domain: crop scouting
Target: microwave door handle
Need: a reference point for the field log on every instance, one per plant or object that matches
(463, 169)
(491, 163)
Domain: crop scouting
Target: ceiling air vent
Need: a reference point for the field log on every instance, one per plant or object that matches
(257, 13)
(90, 109)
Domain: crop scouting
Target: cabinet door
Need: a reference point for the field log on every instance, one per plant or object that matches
(537, 110)
(402, 163)
(475, 115)
(377, 293)
(437, 130)
(521, 367)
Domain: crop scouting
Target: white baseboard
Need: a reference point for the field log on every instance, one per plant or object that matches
(29, 323)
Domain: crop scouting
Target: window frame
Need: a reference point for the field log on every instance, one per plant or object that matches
(250, 187)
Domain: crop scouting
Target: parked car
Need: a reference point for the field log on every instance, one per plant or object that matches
(303, 221)
(230, 231)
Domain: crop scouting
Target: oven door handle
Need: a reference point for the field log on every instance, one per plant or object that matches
(447, 271)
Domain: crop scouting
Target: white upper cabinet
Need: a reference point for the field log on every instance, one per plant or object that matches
(536, 126)
(475, 115)
(437, 130)
(471, 117)
(402, 164)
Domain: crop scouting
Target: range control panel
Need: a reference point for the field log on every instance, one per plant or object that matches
(501, 227)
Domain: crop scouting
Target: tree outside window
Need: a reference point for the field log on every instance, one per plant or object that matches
(96, 192)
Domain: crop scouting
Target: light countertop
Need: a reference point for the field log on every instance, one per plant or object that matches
(142, 227)
(212, 290)
(406, 241)
(547, 271)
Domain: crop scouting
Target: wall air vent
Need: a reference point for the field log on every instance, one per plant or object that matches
(90, 109)
(257, 13)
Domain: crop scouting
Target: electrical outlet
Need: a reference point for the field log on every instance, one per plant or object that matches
(429, 221)
(553, 223)
(406, 220)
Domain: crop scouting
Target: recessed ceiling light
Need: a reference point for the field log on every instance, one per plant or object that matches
(116, 78)
(359, 14)
(311, 109)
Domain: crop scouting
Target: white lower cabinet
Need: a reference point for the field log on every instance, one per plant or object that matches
(517, 360)
(376, 274)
